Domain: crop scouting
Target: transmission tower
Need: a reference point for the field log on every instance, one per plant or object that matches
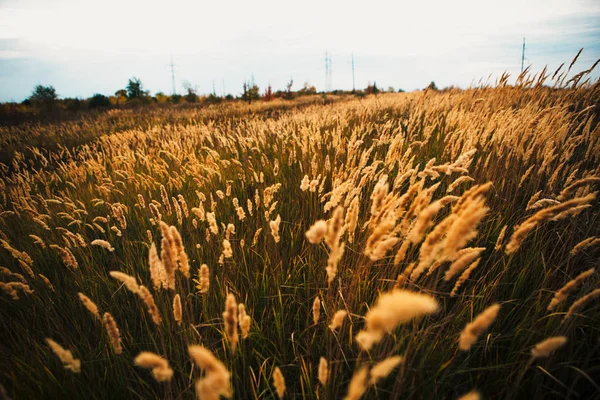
(326, 70)
(523, 56)
(353, 82)
(172, 77)
(328, 74)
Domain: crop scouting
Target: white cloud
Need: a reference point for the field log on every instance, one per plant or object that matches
(402, 43)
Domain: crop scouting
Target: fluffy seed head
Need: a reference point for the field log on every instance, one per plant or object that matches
(113, 332)
(159, 366)
(230, 320)
(177, 312)
(216, 382)
(317, 232)
(472, 395)
(316, 310)
(475, 328)
(279, 382)
(568, 288)
(323, 371)
(69, 362)
(390, 310)
(338, 319)
(204, 281)
(383, 368)
(546, 347)
(102, 243)
(129, 281)
(358, 384)
(90, 305)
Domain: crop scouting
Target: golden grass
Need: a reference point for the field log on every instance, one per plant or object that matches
(348, 244)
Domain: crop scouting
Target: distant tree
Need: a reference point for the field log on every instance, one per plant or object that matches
(288, 89)
(432, 86)
(391, 89)
(213, 99)
(43, 96)
(245, 92)
(73, 104)
(121, 93)
(307, 89)
(372, 89)
(400, 90)
(191, 92)
(254, 92)
(250, 92)
(135, 89)
(98, 100)
(161, 98)
(175, 98)
(268, 93)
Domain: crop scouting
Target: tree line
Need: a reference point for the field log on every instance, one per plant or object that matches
(45, 101)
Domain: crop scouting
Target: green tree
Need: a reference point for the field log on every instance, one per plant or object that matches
(372, 89)
(44, 96)
(135, 89)
(98, 100)
(250, 92)
(254, 92)
(432, 86)
(192, 92)
(288, 89)
(307, 89)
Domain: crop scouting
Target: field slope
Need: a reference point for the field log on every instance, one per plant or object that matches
(438, 226)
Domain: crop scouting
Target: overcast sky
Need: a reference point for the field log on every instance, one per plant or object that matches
(84, 47)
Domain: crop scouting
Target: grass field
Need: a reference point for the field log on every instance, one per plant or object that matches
(438, 206)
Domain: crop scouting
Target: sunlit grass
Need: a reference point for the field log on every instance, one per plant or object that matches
(70, 211)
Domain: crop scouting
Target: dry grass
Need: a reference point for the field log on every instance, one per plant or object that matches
(265, 241)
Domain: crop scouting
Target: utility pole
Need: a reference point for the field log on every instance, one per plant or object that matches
(223, 83)
(173, 76)
(353, 83)
(523, 56)
(330, 74)
(326, 71)
(214, 90)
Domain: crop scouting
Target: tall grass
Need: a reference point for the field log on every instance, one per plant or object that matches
(349, 244)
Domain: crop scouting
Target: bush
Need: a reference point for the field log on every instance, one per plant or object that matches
(43, 97)
(74, 104)
(135, 89)
(372, 89)
(307, 89)
(98, 100)
(432, 86)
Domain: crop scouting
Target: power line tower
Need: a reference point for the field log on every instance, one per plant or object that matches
(353, 82)
(523, 56)
(172, 77)
(328, 75)
(326, 71)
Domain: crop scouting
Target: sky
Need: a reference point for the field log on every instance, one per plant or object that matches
(84, 47)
